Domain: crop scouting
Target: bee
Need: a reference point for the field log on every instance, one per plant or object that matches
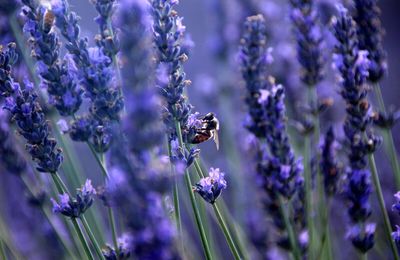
(208, 130)
(48, 21)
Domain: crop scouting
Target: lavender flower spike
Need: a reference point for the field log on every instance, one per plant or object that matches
(26, 112)
(168, 35)
(210, 187)
(370, 34)
(57, 74)
(309, 41)
(106, 40)
(253, 58)
(330, 168)
(139, 180)
(75, 207)
(353, 66)
(97, 77)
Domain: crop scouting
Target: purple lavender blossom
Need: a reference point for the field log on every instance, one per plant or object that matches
(253, 60)
(370, 34)
(168, 35)
(22, 104)
(210, 187)
(309, 41)
(56, 75)
(282, 170)
(139, 177)
(329, 165)
(396, 236)
(279, 172)
(96, 75)
(396, 206)
(75, 207)
(353, 66)
(362, 236)
(106, 39)
(124, 250)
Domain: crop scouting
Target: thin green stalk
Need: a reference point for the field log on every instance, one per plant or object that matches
(111, 213)
(175, 193)
(91, 237)
(98, 160)
(308, 196)
(197, 216)
(227, 234)
(388, 228)
(82, 239)
(388, 136)
(113, 230)
(2, 249)
(363, 256)
(189, 186)
(289, 229)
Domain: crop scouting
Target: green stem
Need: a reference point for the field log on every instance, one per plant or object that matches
(308, 195)
(91, 237)
(363, 256)
(110, 212)
(113, 230)
(2, 249)
(289, 229)
(189, 186)
(82, 239)
(388, 228)
(388, 136)
(227, 234)
(175, 193)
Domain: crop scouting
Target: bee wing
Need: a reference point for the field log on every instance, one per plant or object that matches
(215, 137)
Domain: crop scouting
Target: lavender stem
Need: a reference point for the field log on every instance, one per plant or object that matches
(227, 234)
(2, 249)
(388, 136)
(111, 213)
(177, 209)
(388, 228)
(92, 238)
(82, 238)
(289, 228)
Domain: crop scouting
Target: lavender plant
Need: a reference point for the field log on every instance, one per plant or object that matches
(120, 84)
(353, 65)
(279, 171)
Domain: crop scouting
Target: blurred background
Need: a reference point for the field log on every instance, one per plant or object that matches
(213, 29)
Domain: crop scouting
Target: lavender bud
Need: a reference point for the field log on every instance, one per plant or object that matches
(309, 41)
(75, 207)
(28, 115)
(210, 187)
(370, 34)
